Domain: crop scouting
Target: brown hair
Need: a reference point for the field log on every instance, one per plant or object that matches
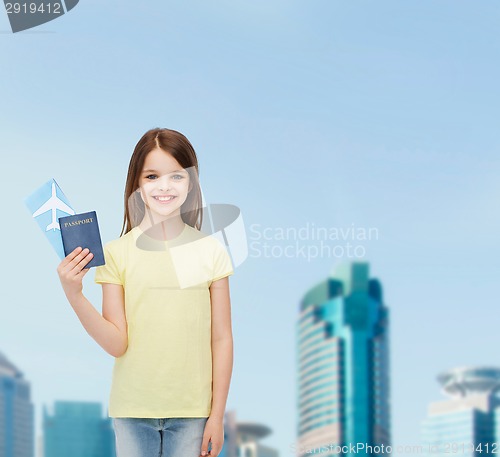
(179, 147)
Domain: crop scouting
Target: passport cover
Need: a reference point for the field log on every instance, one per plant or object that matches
(46, 204)
(82, 230)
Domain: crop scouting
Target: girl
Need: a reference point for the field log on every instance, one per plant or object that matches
(165, 309)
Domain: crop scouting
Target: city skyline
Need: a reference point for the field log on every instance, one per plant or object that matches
(79, 429)
(323, 310)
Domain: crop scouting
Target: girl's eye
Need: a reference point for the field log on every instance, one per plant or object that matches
(178, 177)
(151, 177)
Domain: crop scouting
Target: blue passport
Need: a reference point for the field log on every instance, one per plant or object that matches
(82, 230)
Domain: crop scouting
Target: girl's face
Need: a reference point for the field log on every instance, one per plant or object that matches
(164, 185)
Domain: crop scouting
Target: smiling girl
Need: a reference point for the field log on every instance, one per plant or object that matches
(166, 314)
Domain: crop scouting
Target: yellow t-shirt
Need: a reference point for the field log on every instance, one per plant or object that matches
(167, 368)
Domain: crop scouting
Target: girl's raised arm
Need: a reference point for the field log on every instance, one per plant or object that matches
(108, 330)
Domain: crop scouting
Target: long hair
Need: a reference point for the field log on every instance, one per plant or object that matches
(179, 147)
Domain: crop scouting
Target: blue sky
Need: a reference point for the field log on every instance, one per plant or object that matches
(377, 114)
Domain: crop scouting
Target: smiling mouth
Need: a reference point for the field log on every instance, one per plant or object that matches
(164, 199)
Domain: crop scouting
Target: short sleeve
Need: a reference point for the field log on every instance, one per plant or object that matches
(110, 272)
(222, 263)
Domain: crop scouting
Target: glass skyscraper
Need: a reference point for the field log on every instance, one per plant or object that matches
(343, 366)
(468, 423)
(16, 412)
(77, 429)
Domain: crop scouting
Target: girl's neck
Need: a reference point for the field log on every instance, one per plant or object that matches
(165, 230)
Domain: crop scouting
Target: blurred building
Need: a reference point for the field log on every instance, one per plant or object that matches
(469, 422)
(16, 412)
(77, 429)
(343, 365)
(242, 439)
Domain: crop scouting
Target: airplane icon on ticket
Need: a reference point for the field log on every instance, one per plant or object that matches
(46, 205)
(53, 204)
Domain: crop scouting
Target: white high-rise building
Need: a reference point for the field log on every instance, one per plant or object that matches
(468, 423)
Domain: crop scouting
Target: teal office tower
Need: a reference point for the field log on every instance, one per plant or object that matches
(343, 366)
(16, 412)
(77, 429)
(468, 423)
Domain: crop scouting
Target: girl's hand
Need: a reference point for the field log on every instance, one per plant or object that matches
(214, 432)
(72, 270)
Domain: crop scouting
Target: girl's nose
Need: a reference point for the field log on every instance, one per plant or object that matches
(164, 182)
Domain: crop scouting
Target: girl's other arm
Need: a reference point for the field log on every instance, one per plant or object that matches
(108, 330)
(222, 364)
(222, 345)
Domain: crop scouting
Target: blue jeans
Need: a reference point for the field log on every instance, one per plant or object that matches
(171, 437)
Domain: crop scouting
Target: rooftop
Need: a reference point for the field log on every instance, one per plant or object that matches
(7, 368)
(465, 381)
